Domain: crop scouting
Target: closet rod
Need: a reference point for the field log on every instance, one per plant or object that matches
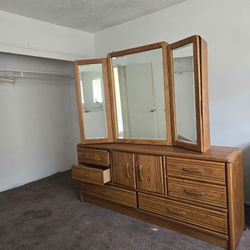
(32, 74)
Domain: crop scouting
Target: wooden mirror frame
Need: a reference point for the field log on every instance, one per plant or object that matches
(102, 61)
(160, 45)
(201, 93)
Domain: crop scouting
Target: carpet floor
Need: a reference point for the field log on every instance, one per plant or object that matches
(47, 214)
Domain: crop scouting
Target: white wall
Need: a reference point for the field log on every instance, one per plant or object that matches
(225, 25)
(38, 119)
(38, 122)
(28, 36)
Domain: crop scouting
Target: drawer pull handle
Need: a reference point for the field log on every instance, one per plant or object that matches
(192, 170)
(140, 172)
(105, 192)
(187, 191)
(127, 170)
(176, 212)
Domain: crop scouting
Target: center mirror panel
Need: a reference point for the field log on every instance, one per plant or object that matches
(141, 103)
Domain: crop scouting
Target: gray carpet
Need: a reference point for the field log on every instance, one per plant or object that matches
(47, 214)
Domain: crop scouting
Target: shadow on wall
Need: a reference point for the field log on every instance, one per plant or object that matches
(246, 166)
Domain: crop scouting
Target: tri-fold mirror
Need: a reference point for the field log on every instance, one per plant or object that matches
(153, 94)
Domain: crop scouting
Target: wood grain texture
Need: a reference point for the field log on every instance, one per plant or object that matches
(235, 200)
(93, 156)
(197, 192)
(214, 153)
(206, 171)
(114, 194)
(202, 217)
(173, 224)
(208, 218)
(205, 123)
(150, 176)
(91, 174)
(123, 169)
(103, 62)
(137, 49)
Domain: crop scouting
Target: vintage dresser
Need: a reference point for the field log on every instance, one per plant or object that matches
(145, 143)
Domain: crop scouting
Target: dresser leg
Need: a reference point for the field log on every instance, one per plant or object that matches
(81, 197)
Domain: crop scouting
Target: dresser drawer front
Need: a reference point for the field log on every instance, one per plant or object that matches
(91, 174)
(114, 194)
(208, 171)
(205, 218)
(197, 192)
(94, 156)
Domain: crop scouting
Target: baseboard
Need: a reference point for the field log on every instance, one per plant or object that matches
(31, 180)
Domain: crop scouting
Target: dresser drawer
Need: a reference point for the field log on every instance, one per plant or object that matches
(94, 156)
(207, 171)
(206, 218)
(197, 192)
(96, 175)
(118, 195)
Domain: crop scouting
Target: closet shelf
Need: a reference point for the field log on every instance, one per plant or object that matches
(10, 75)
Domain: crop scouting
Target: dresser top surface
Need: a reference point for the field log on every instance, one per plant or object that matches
(214, 153)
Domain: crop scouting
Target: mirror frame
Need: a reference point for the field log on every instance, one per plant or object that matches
(160, 45)
(102, 61)
(201, 93)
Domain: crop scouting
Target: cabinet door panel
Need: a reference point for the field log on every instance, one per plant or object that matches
(123, 169)
(150, 175)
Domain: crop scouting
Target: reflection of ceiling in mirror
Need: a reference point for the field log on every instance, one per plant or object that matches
(183, 64)
(184, 51)
(91, 67)
(138, 58)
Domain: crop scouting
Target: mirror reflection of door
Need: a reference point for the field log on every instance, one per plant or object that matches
(93, 101)
(139, 93)
(184, 88)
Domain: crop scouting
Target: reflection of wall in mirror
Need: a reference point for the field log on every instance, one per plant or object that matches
(88, 81)
(95, 125)
(184, 99)
(141, 91)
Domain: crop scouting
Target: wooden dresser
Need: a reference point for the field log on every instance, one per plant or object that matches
(145, 141)
(199, 194)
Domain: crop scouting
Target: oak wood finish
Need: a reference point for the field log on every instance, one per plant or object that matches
(202, 217)
(201, 93)
(90, 174)
(235, 200)
(102, 61)
(199, 193)
(173, 224)
(123, 167)
(150, 175)
(114, 194)
(90, 156)
(214, 153)
(160, 45)
(217, 216)
(211, 172)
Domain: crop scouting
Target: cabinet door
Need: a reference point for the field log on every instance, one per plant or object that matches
(123, 169)
(150, 175)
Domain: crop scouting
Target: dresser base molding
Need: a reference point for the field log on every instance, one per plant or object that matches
(195, 232)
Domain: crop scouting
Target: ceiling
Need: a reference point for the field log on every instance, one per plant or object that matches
(86, 15)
